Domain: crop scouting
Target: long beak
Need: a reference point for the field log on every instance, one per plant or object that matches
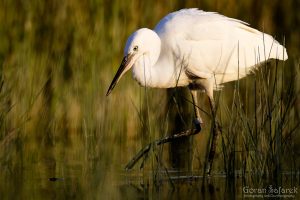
(126, 64)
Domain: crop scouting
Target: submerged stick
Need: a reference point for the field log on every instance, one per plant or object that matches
(216, 130)
(213, 146)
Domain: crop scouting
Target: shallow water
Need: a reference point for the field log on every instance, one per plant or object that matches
(61, 138)
(74, 181)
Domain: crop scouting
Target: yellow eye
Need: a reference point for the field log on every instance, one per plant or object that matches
(135, 48)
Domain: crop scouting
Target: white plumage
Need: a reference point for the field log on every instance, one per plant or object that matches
(194, 48)
(215, 45)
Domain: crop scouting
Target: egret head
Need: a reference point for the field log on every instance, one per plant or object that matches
(143, 43)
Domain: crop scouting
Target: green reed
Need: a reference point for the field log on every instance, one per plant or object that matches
(56, 62)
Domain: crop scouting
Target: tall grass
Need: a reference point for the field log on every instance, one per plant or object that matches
(56, 61)
(259, 125)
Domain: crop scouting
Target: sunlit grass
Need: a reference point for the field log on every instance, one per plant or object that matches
(259, 125)
(57, 59)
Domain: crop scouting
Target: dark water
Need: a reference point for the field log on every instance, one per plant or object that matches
(90, 168)
(76, 182)
(61, 138)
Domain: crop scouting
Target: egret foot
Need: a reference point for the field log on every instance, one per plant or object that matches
(170, 138)
(197, 123)
(208, 168)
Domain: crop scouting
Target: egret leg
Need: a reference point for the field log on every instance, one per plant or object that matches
(170, 138)
(144, 152)
(216, 130)
(198, 120)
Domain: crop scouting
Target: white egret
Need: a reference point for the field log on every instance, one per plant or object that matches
(197, 49)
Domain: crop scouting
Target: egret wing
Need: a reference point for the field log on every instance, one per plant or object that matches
(213, 45)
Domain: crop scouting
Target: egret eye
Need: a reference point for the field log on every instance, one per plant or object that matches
(135, 48)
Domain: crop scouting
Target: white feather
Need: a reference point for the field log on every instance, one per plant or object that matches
(191, 44)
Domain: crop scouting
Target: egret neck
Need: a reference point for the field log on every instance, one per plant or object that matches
(153, 69)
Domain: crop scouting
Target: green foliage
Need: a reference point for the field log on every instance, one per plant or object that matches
(57, 59)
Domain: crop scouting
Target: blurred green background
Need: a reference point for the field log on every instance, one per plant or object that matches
(57, 59)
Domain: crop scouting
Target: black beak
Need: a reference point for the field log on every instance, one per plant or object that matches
(125, 66)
